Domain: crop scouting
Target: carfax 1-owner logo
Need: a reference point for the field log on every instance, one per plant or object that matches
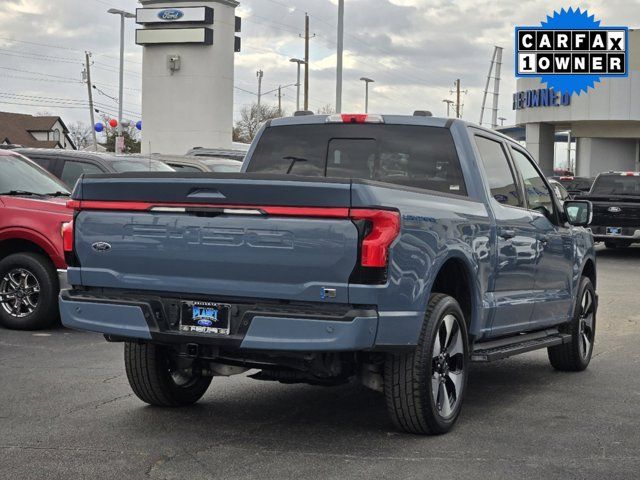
(571, 52)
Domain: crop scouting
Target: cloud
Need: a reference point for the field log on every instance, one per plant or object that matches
(414, 49)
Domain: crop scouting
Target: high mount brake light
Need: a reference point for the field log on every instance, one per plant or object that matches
(355, 118)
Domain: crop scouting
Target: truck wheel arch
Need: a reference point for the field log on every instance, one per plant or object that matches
(589, 271)
(25, 243)
(455, 278)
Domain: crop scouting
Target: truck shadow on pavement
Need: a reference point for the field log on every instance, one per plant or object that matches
(261, 412)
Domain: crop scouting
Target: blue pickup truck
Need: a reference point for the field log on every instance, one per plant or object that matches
(390, 249)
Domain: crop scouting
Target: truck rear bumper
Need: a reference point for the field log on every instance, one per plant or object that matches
(253, 329)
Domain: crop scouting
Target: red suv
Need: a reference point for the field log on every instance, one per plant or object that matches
(32, 268)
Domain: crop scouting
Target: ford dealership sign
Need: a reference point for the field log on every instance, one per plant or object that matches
(170, 15)
(191, 15)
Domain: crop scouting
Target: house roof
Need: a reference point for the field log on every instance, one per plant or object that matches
(16, 128)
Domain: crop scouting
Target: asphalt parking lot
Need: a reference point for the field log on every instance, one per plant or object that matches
(66, 411)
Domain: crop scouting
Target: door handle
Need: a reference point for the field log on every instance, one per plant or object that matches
(507, 234)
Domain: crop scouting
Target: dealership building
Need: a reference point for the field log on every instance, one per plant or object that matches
(604, 122)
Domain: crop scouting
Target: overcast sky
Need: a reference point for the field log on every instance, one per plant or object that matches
(414, 49)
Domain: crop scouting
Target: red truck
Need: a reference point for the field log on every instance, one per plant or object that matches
(33, 215)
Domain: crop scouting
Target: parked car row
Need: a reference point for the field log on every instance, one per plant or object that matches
(34, 188)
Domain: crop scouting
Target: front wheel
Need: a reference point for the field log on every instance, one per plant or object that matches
(576, 355)
(158, 377)
(424, 388)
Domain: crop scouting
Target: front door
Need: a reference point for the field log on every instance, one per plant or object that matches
(553, 276)
(512, 294)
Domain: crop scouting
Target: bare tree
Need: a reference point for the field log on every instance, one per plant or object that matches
(251, 119)
(81, 134)
(327, 109)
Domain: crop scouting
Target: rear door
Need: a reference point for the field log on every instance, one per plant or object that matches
(554, 270)
(517, 252)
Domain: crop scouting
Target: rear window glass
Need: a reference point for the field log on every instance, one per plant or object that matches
(620, 184)
(412, 156)
(141, 165)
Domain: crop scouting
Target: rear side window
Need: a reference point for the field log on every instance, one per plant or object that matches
(45, 163)
(501, 179)
(412, 156)
(72, 171)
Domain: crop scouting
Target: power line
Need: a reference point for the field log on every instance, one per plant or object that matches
(38, 73)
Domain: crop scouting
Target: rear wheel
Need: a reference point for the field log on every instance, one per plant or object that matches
(158, 377)
(424, 389)
(576, 355)
(28, 292)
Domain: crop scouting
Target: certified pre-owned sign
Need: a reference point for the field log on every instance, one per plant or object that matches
(192, 15)
(571, 52)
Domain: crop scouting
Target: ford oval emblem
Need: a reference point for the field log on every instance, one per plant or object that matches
(615, 209)
(101, 247)
(170, 14)
(204, 322)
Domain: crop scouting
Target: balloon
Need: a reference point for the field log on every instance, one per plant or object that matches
(113, 123)
(139, 125)
(99, 127)
(126, 123)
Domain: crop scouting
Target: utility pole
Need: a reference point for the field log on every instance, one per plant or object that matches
(457, 90)
(87, 72)
(280, 100)
(458, 98)
(449, 103)
(340, 56)
(259, 74)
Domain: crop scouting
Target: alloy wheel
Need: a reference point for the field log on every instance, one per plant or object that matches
(19, 292)
(586, 323)
(448, 364)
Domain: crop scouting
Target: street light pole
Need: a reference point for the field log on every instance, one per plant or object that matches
(299, 62)
(366, 81)
(449, 103)
(340, 55)
(123, 14)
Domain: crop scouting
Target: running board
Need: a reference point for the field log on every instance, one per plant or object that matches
(499, 349)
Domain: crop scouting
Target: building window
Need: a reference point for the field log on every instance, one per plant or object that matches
(56, 135)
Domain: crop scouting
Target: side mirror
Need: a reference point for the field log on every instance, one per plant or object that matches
(578, 212)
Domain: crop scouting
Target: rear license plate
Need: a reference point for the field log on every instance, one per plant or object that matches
(614, 231)
(205, 317)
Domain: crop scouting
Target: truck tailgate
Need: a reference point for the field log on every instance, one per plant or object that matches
(214, 236)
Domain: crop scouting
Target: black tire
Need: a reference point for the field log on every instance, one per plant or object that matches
(410, 378)
(576, 355)
(32, 303)
(151, 371)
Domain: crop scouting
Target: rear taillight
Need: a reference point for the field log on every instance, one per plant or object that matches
(383, 227)
(67, 236)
